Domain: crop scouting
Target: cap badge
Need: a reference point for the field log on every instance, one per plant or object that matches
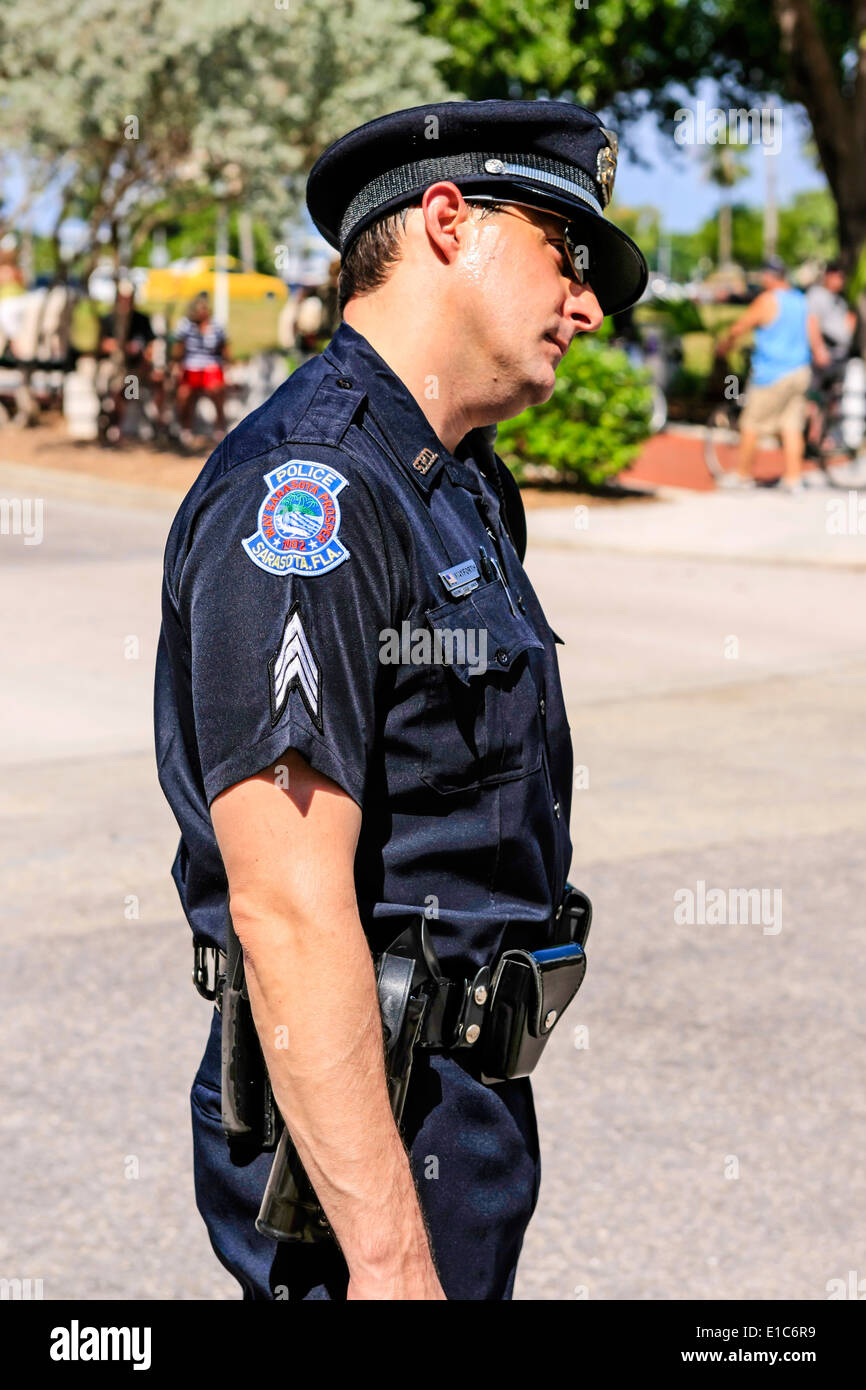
(606, 165)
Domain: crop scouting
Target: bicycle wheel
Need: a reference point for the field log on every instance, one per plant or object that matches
(848, 475)
(718, 435)
(821, 448)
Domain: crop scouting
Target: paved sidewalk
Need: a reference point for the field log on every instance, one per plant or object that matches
(820, 526)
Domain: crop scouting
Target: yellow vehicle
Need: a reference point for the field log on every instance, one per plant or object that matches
(183, 279)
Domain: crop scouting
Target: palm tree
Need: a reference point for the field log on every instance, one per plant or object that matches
(724, 165)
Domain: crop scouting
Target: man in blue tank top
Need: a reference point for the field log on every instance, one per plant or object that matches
(786, 338)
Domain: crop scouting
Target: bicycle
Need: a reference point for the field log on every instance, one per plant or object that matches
(827, 421)
(820, 442)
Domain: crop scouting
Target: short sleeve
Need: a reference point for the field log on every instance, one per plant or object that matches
(816, 301)
(284, 592)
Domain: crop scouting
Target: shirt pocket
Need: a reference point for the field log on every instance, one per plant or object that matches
(483, 724)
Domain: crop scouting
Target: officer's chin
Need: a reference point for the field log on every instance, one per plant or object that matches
(534, 390)
(543, 384)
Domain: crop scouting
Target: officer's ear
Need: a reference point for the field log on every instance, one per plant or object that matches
(447, 218)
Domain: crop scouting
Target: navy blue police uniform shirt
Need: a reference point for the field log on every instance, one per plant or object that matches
(313, 575)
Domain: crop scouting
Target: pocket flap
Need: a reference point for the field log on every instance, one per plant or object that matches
(481, 633)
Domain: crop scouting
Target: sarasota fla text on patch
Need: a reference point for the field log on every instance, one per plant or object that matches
(299, 521)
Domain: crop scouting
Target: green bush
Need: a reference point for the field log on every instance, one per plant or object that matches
(594, 424)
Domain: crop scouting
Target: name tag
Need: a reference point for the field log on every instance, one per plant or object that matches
(460, 579)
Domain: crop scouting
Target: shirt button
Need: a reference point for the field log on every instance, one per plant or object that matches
(502, 656)
(521, 604)
(541, 705)
(556, 809)
(344, 382)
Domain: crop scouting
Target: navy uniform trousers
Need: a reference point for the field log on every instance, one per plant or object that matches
(474, 1155)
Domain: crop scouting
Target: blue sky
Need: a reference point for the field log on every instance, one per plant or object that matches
(675, 182)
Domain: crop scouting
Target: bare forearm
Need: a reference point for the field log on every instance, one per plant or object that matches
(313, 995)
(730, 336)
(816, 342)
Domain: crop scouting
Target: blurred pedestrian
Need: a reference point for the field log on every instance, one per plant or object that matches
(126, 339)
(786, 338)
(310, 321)
(839, 379)
(202, 349)
(287, 321)
(836, 321)
(11, 275)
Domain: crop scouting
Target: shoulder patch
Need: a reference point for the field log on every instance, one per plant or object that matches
(299, 520)
(293, 667)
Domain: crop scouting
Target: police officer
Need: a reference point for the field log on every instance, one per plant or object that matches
(359, 717)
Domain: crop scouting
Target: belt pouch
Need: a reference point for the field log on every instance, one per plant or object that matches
(530, 992)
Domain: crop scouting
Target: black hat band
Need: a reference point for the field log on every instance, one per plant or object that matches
(407, 179)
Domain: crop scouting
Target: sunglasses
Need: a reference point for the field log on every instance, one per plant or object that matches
(576, 251)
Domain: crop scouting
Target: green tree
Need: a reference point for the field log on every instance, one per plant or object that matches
(747, 233)
(140, 114)
(724, 167)
(194, 233)
(627, 56)
(642, 225)
(807, 228)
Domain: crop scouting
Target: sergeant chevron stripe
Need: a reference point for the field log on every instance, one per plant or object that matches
(293, 667)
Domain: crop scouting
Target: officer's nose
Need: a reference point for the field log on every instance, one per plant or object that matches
(583, 308)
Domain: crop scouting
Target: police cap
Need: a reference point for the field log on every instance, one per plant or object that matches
(552, 155)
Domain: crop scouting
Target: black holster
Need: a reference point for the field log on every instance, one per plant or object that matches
(249, 1113)
(290, 1210)
(506, 1019)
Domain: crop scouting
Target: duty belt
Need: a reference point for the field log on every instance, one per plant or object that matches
(455, 1009)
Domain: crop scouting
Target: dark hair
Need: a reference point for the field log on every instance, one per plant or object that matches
(374, 253)
(198, 302)
(834, 268)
